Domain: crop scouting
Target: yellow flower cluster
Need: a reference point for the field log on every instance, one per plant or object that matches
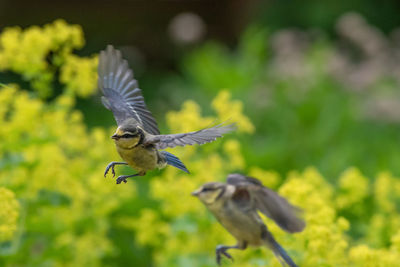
(353, 188)
(36, 52)
(53, 194)
(9, 213)
(185, 234)
(79, 75)
(55, 165)
(228, 109)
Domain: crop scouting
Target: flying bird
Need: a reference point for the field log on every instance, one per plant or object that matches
(137, 138)
(236, 203)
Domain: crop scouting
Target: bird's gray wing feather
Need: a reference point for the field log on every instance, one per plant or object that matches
(121, 93)
(198, 137)
(269, 203)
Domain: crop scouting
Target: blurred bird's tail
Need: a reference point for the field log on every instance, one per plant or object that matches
(278, 250)
(174, 161)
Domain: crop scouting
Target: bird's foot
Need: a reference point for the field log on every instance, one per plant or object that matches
(121, 179)
(110, 166)
(221, 250)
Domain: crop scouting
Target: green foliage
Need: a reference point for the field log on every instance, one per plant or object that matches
(311, 102)
(213, 66)
(58, 210)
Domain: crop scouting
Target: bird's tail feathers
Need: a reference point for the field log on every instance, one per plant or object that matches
(278, 250)
(174, 161)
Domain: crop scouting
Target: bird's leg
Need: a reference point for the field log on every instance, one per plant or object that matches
(111, 165)
(221, 250)
(122, 178)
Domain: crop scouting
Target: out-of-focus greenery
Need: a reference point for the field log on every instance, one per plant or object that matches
(322, 14)
(60, 211)
(313, 101)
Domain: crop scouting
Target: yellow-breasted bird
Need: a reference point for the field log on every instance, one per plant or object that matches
(235, 205)
(137, 138)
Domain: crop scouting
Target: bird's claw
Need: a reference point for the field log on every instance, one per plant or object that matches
(121, 179)
(229, 256)
(221, 250)
(111, 165)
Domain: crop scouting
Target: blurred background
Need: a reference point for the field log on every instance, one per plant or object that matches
(311, 83)
(323, 75)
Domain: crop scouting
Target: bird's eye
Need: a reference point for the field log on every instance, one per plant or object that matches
(127, 136)
(207, 189)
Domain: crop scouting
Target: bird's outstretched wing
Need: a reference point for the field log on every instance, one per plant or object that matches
(198, 137)
(268, 202)
(121, 93)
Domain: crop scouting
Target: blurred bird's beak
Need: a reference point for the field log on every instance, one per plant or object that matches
(196, 193)
(115, 137)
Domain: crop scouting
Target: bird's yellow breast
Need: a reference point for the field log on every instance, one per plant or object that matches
(139, 158)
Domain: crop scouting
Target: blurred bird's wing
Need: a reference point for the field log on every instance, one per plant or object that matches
(198, 137)
(268, 202)
(121, 93)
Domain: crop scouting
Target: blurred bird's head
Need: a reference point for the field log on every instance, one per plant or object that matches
(128, 136)
(210, 192)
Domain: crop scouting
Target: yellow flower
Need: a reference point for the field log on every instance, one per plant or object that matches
(268, 178)
(55, 164)
(232, 150)
(32, 52)
(232, 111)
(79, 75)
(353, 188)
(9, 214)
(188, 119)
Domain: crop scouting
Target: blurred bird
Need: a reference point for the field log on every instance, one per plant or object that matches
(137, 137)
(235, 205)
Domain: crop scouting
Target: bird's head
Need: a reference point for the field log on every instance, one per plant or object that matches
(128, 136)
(210, 192)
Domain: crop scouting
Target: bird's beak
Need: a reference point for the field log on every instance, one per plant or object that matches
(196, 193)
(115, 137)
